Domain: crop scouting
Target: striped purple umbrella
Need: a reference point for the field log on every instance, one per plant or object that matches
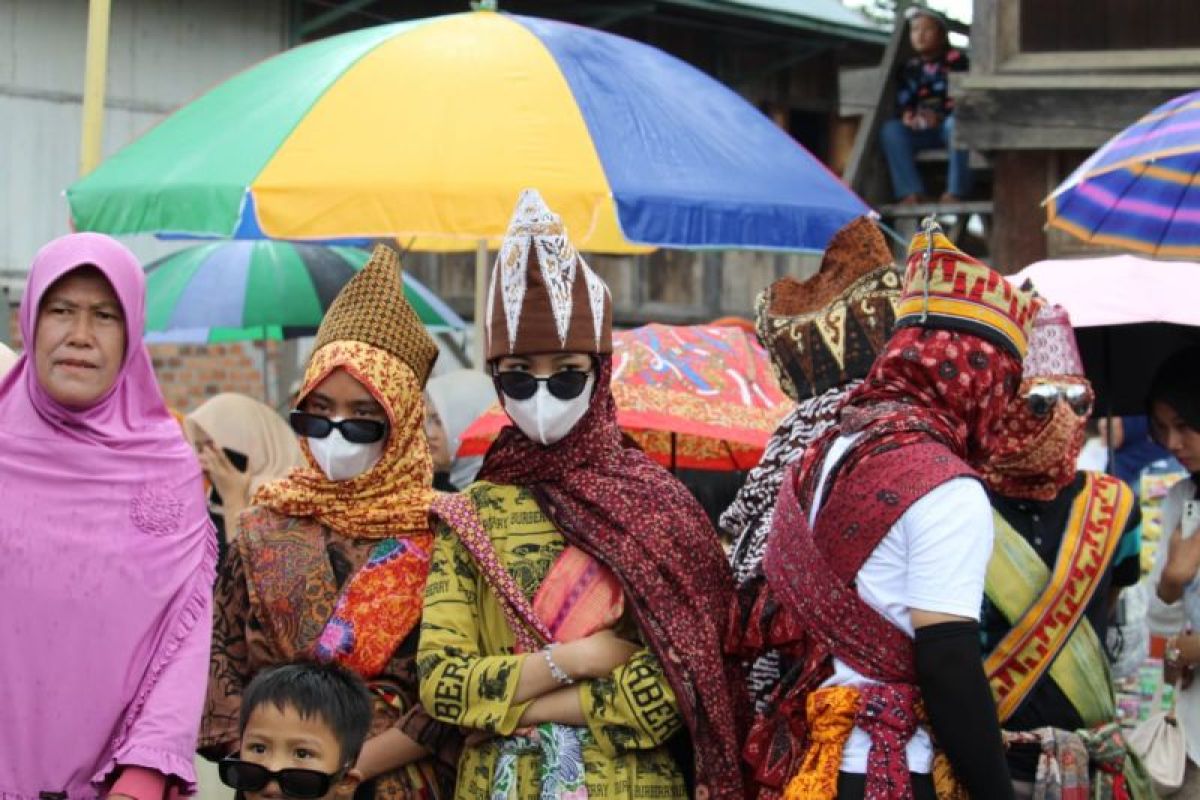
(1139, 191)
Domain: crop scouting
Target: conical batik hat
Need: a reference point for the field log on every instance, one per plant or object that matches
(543, 297)
(371, 308)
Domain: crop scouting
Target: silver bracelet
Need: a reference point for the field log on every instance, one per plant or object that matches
(556, 671)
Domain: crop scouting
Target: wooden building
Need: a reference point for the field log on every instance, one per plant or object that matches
(1052, 80)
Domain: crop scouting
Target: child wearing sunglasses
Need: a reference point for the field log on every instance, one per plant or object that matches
(302, 728)
(1061, 536)
(577, 593)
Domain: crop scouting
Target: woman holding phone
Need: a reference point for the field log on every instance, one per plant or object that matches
(241, 444)
(1174, 405)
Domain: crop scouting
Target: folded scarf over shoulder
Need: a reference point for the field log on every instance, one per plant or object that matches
(618, 506)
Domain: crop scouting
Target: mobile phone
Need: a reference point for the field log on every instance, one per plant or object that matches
(1191, 518)
(239, 461)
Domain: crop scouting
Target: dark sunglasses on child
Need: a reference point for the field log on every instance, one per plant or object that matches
(359, 431)
(565, 385)
(300, 784)
(1043, 397)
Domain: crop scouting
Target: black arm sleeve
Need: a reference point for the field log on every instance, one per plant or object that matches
(962, 711)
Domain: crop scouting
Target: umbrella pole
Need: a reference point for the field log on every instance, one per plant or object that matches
(1106, 338)
(266, 366)
(95, 72)
(481, 257)
(673, 470)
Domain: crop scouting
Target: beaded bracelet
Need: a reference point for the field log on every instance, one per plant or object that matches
(556, 671)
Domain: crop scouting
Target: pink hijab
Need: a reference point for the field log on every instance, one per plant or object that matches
(106, 564)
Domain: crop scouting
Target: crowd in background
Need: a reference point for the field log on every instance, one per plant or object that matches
(913, 600)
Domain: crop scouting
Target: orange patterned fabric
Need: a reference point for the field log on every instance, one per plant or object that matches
(379, 607)
(393, 497)
(831, 712)
(578, 597)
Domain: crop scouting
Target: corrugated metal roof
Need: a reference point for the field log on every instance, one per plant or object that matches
(823, 16)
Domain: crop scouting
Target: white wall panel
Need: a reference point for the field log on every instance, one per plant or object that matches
(162, 53)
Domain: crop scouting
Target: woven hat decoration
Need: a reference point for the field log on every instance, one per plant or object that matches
(371, 308)
(543, 297)
(947, 289)
(827, 330)
(1053, 350)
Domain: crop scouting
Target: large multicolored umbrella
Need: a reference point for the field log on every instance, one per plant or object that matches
(233, 291)
(428, 130)
(1139, 191)
(694, 397)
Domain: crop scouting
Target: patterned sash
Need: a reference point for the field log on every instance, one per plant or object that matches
(578, 597)
(811, 574)
(1046, 609)
(296, 598)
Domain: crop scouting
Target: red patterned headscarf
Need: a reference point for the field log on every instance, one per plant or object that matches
(951, 387)
(1036, 456)
(618, 506)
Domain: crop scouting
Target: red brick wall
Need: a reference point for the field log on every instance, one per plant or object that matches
(190, 374)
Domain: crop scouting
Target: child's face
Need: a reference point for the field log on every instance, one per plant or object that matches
(282, 739)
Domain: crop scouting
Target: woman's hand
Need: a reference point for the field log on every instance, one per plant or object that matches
(388, 751)
(594, 656)
(1183, 561)
(230, 483)
(1181, 658)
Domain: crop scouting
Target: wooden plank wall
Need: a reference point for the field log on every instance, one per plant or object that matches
(1083, 25)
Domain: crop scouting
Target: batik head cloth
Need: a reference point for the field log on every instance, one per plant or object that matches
(543, 297)
(372, 334)
(827, 330)
(947, 289)
(1035, 456)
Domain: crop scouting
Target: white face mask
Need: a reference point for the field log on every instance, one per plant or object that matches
(544, 418)
(341, 460)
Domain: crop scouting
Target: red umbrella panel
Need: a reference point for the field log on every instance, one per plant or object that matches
(693, 397)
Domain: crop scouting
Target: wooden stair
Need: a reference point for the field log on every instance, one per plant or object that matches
(867, 172)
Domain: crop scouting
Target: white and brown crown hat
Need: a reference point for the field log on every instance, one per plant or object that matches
(543, 297)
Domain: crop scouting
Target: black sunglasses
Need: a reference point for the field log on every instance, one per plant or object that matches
(564, 385)
(359, 431)
(1042, 398)
(301, 784)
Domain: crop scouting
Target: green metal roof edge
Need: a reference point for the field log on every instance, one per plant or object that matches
(797, 20)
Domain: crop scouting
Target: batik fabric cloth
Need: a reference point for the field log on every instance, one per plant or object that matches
(749, 518)
(470, 659)
(288, 591)
(629, 513)
(393, 497)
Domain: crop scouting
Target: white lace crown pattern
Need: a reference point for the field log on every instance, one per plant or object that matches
(533, 224)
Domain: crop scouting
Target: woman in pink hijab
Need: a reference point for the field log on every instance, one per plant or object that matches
(106, 550)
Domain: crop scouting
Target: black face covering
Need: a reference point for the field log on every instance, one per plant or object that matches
(240, 462)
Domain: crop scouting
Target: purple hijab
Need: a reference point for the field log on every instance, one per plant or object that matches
(106, 564)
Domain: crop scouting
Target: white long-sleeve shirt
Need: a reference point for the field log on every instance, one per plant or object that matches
(1169, 619)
